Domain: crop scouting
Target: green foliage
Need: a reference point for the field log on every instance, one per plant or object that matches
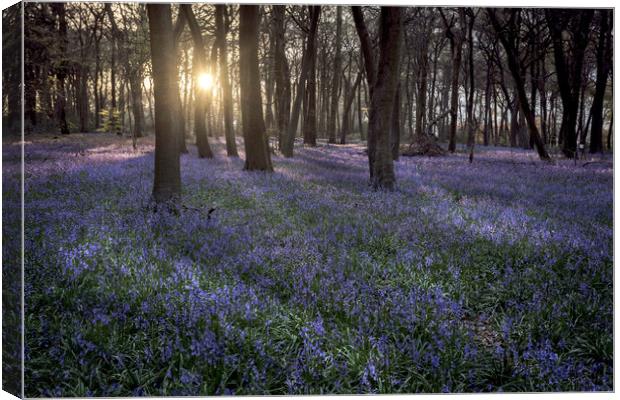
(111, 121)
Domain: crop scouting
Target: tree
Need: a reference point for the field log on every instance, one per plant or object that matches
(335, 89)
(383, 92)
(198, 67)
(167, 184)
(306, 64)
(221, 29)
(309, 131)
(282, 74)
(603, 63)
(257, 156)
(569, 66)
(61, 69)
(507, 36)
(456, 38)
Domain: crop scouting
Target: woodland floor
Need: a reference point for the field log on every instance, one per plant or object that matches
(491, 276)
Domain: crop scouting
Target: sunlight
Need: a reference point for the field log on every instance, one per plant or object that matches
(205, 81)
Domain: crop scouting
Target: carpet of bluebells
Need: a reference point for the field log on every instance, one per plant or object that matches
(491, 276)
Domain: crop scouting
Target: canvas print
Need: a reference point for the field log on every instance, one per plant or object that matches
(221, 199)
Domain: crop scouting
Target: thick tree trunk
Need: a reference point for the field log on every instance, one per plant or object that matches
(382, 97)
(257, 156)
(569, 71)
(395, 128)
(603, 55)
(167, 184)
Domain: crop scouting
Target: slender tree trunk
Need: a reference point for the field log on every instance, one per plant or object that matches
(198, 67)
(61, 74)
(515, 69)
(457, 49)
(471, 126)
(335, 89)
(282, 74)
(488, 127)
(306, 63)
(346, 116)
(420, 106)
(231, 144)
(310, 111)
(360, 117)
(135, 83)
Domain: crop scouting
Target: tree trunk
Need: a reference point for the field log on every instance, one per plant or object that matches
(221, 29)
(569, 71)
(395, 128)
(167, 184)
(335, 89)
(346, 114)
(471, 128)
(420, 105)
(282, 75)
(198, 67)
(257, 156)
(310, 106)
(287, 149)
(515, 69)
(603, 55)
(61, 74)
(135, 83)
(382, 97)
(457, 49)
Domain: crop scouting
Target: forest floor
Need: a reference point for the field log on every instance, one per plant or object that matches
(490, 276)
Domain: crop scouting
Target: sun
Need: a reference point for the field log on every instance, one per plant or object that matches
(205, 81)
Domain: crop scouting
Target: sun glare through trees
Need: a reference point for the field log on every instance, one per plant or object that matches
(281, 199)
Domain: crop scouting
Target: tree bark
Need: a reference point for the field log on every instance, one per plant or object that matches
(346, 113)
(603, 55)
(456, 48)
(231, 144)
(515, 69)
(257, 156)
(198, 67)
(287, 149)
(395, 128)
(383, 95)
(61, 72)
(569, 70)
(335, 89)
(167, 183)
(310, 111)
